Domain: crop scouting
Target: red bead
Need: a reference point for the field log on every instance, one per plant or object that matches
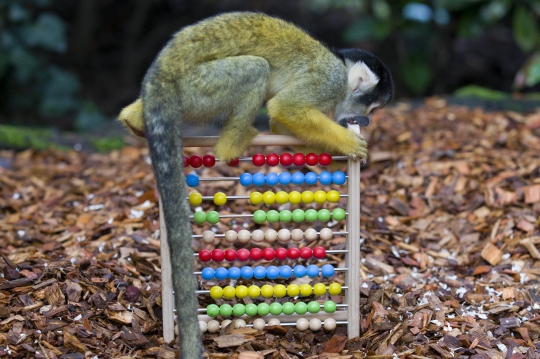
(299, 159)
(255, 254)
(312, 159)
(293, 253)
(268, 254)
(218, 255)
(242, 255)
(272, 160)
(195, 161)
(306, 253)
(258, 160)
(230, 255)
(208, 161)
(319, 252)
(186, 161)
(281, 253)
(205, 255)
(325, 159)
(285, 159)
(234, 162)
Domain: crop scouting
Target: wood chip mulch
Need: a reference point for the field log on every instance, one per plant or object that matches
(450, 248)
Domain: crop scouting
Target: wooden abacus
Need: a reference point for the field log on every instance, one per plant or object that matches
(350, 316)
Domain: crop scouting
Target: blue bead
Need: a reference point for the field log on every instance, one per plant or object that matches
(272, 272)
(234, 273)
(311, 178)
(338, 177)
(312, 271)
(259, 272)
(208, 273)
(272, 179)
(192, 180)
(297, 178)
(299, 271)
(327, 270)
(325, 177)
(285, 272)
(246, 272)
(284, 178)
(258, 179)
(246, 179)
(221, 273)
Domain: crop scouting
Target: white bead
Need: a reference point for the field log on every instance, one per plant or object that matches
(329, 324)
(297, 235)
(284, 235)
(315, 324)
(225, 323)
(259, 324)
(270, 235)
(257, 236)
(244, 236)
(203, 327)
(274, 321)
(310, 234)
(213, 326)
(302, 324)
(326, 234)
(231, 236)
(239, 323)
(208, 237)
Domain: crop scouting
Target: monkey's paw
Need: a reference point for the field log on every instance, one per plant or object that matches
(356, 146)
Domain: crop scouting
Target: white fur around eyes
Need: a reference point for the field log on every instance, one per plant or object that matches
(361, 78)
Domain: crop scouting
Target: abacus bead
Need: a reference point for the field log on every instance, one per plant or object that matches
(233, 273)
(218, 255)
(212, 217)
(315, 324)
(268, 254)
(244, 236)
(239, 310)
(310, 234)
(299, 159)
(241, 291)
(195, 161)
(327, 270)
(312, 271)
(286, 159)
(307, 197)
(251, 309)
(259, 179)
(325, 159)
(208, 161)
(334, 289)
(220, 199)
(272, 272)
(338, 214)
(276, 308)
(272, 216)
(298, 215)
(297, 178)
(323, 215)
(213, 325)
(280, 290)
(258, 160)
(326, 234)
(281, 253)
(272, 159)
(282, 197)
(255, 197)
(208, 237)
(231, 236)
(311, 178)
(225, 323)
(293, 253)
(221, 273)
(273, 322)
(255, 254)
(195, 199)
(234, 162)
(284, 235)
(263, 309)
(302, 324)
(229, 292)
(339, 177)
(225, 310)
(186, 161)
(259, 216)
(329, 306)
(300, 308)
(325, 177)
(319, 197)
(319, 289)
(311, 215)
(271, 179)
(314, 307)
(297, 235)
(246, 272)
(246, 179)
(239, 323)
(288, 308)
(332, 196)
(207, 273)
(269, 197)
(330, 324)
(242, 255)
(293, 290)
(270, 235)
(295, 197)
(284, 178)
(305, 290)
(203, 327)
(300, 271)
(257, 236)
(319, 252)
(259, 324)
(254, 291)
(306, 253)
(212, 310)
(312, 159)
(285, 216)
(267, 291)
(285, 272)
(192, 180)
(259, 272)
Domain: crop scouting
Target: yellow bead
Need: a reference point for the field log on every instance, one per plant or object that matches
(229, 292)
(267, 291)
(319, 197)
(295, 197)
(332, 196)
(293, 290)
(220, 198)
(334, 289)
(307, 197)
(269, 197)
(195, 198)
(254, 291)
(255, 197)
(305, 290)
(216, 292)
(319, 289)
(241, 291)
(279, 291)
(282, 197)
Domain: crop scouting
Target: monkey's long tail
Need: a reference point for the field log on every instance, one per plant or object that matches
(163, 132)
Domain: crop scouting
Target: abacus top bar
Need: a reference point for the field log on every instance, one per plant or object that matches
(259, 140)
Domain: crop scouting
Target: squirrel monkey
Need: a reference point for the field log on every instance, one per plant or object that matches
(224, 68)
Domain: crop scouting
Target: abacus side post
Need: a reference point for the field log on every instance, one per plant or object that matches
(167, 299)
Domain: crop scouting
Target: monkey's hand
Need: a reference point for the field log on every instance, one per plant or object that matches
(354, 145)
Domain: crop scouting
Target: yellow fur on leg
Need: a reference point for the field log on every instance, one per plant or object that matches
(132, 118)
(230, 146)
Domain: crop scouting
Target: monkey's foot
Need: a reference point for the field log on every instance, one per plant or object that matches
(230, 147)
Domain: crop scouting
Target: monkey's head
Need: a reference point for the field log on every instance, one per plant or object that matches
(369, 87)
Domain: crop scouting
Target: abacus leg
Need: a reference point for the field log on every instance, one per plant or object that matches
(167, 298)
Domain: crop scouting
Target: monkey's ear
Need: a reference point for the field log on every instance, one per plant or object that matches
(361, 78)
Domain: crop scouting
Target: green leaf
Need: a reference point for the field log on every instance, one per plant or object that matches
(495, 10)
(479, 91)
(48, 32)
(532, 70)
(25, 63)
(525, 29)
(360, 30)
(457, 5)
(416, 75)
(89, 117)
(381, 9)
(18, 13)
(59, 93)
(469, 26)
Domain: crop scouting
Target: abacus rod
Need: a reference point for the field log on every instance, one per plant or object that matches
(335, 270)
(238, 215)
(225, 178)
(223, 235)
(340, 315)
(249, 159)
(206, 198)
(332, 251)
(290, 324)
(203, 310)
(208, 291)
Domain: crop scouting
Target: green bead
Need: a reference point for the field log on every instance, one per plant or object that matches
(338, 214)
(311, 215)
(298, 215)
(300, 308)
(212, 217)
(251, 309)
(288, 308)
(239, 310)
(272, 216)
(313, 307)
(263, 309)
(212, 310)
(285, 216)
(323, 215)
(199, 217)
(276, 308)
(259, 216)
(225, 310)
(329, 306)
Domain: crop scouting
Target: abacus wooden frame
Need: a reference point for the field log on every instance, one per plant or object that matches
(352, 314)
